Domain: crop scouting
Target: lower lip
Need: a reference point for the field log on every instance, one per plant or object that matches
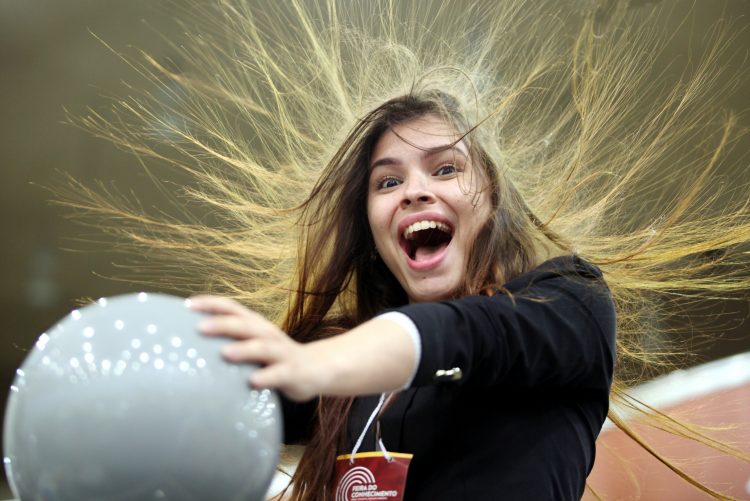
(429, 264)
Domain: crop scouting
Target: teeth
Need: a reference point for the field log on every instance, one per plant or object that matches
(424, 225)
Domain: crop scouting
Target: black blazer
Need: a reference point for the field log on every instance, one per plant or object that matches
(521, 421)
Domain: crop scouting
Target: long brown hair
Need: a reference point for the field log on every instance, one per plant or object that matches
(340, 271)
(286, 94)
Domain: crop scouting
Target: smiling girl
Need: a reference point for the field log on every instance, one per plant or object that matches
(518, 374)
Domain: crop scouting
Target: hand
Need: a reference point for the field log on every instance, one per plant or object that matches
(288, 366)
(374, 357)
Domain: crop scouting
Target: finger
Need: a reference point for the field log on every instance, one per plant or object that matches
(261, 351)
(216, 305)
(274, 376)
(238, 327)
(280, 377)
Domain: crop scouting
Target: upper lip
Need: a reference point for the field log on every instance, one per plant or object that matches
(422, 216)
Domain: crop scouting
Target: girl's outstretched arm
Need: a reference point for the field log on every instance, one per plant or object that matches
(374, 357)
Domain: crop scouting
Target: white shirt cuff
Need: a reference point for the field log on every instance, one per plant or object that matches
(410, 327)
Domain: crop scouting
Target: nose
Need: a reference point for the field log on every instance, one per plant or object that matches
(417, 191)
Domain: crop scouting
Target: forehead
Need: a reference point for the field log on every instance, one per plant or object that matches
(428, 133)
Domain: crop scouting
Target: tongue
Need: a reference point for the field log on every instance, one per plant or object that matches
(425, 252)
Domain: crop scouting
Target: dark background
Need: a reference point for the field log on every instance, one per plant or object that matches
(49, 60)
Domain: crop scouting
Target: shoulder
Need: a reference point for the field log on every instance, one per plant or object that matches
(573, 268)
(568, 283)
(558, 281)
(564, 280)
(565, 292)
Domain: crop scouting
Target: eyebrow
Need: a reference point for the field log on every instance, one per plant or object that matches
(425, 154)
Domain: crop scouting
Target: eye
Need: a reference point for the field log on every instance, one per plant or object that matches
(388, 182)
(446, 170)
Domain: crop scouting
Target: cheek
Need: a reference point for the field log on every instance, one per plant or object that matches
(376, 220)
(476, 213)
(370, 211)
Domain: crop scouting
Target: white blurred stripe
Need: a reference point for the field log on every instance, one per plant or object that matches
(690, 384)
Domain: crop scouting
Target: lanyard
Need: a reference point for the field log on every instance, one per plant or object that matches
(378, 440)
(371, 476)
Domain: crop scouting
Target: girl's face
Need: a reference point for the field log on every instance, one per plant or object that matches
(424, 206)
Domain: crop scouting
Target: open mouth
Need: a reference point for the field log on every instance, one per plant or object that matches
(423, 240)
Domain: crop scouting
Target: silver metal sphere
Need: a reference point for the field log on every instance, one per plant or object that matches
(125, 400)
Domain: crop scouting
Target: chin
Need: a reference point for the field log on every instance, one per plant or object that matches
(426, 293)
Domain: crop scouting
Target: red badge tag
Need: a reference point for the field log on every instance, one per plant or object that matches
(372, 476)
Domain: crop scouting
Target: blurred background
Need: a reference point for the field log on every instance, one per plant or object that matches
(51, 61)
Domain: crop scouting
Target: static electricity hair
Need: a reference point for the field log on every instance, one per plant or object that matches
(582, 149)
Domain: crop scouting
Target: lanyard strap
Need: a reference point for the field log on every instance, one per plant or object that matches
(379, 442)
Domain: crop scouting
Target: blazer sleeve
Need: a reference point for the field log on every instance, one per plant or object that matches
(555, 329)
(299, 420)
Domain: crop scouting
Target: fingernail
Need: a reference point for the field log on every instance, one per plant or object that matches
(229, 350)
(207, 326)
(194, 302)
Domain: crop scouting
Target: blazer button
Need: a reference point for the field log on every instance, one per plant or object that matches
(453, 374)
